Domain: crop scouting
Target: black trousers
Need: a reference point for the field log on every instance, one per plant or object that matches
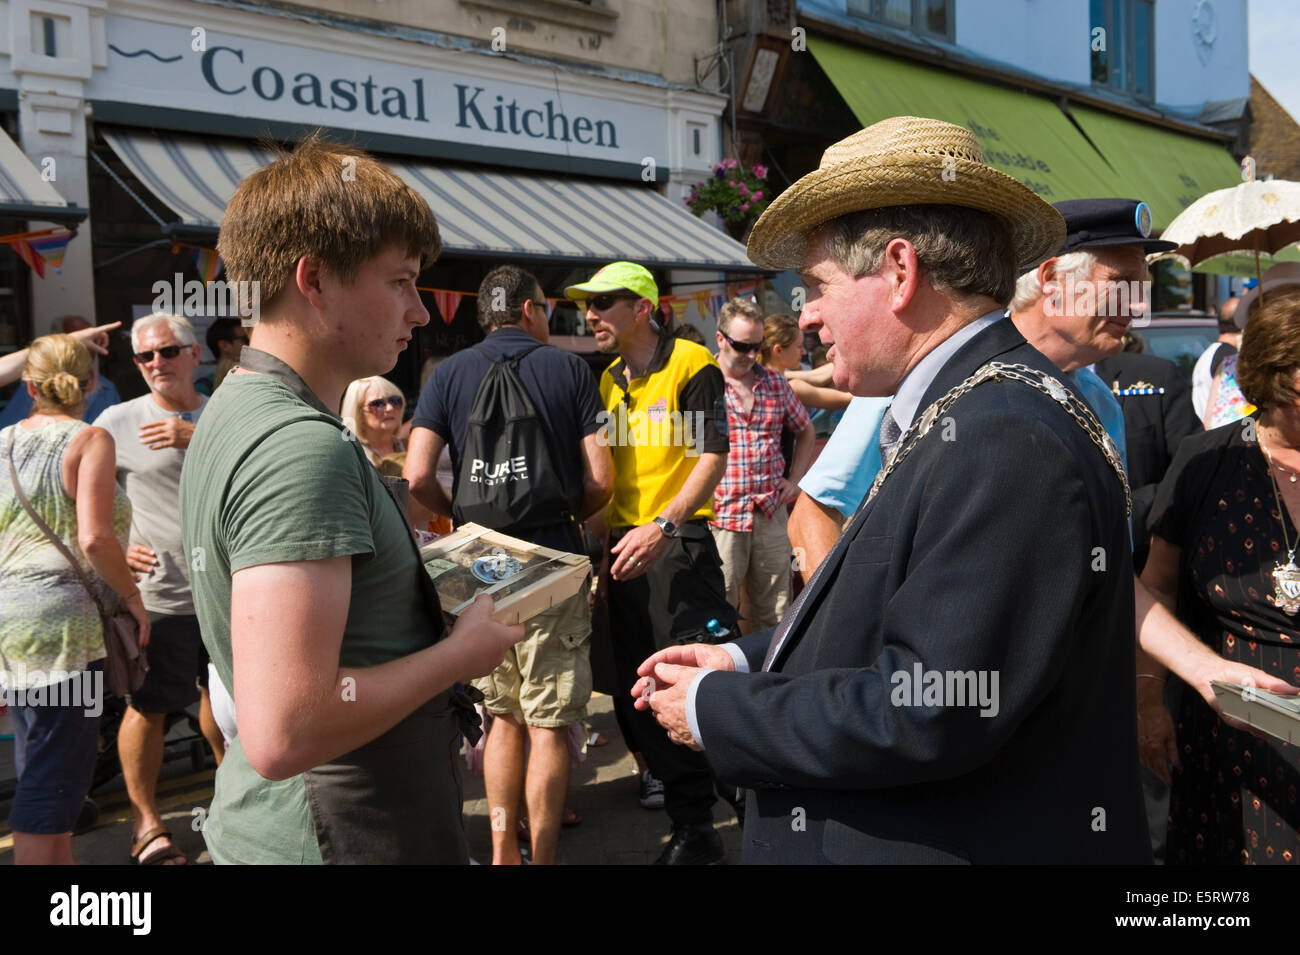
(670, 603)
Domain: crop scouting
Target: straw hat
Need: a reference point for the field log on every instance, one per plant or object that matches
(903, 161)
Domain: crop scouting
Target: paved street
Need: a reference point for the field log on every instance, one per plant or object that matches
(615, 829)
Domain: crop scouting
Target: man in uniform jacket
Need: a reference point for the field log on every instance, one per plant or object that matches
(1158, 414)
(953, 685)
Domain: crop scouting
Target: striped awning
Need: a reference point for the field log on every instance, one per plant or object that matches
(24, 194)
(480, 212)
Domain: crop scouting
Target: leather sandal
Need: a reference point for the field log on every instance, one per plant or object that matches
(160, 857)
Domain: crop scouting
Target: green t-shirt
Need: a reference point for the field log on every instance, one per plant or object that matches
(268, 479)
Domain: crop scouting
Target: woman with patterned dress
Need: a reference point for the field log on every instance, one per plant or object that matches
(1223, 521)
(51, 635)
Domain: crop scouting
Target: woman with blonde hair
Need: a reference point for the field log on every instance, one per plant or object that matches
(51, 634)
(372, 410)
(783, 351)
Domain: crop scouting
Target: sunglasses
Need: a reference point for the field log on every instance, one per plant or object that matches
(745, 348)
(167, 351)
(392, 401)
(601, 302)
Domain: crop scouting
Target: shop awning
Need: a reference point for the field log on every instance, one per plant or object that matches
(1022, 134)
(25, 195)
(1167, 169)
(479, 212)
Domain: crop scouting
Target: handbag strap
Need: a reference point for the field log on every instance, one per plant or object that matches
(45, 528)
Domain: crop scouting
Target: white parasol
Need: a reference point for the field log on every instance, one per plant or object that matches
(1257, 216)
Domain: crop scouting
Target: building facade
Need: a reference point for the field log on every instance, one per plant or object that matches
(1076, 98)
(552, 133)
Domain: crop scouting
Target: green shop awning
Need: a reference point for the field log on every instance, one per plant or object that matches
(1022, 134)
(1167, 169)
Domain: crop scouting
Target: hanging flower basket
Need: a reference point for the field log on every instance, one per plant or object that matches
(738, 195)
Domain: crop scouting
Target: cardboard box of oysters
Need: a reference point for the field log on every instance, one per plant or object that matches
(522, 579)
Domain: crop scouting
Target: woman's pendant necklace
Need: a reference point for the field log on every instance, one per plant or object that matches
(1286, 585)
(1286, 577)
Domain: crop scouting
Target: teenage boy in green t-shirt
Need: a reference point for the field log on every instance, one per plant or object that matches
(312, 600)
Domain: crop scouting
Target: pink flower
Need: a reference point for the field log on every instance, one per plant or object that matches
(744, 207)
(731, 183)
(744, 189)
(730, 163)
(760, 171)
(757, 196)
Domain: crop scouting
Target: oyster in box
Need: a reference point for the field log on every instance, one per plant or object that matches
(523, 579)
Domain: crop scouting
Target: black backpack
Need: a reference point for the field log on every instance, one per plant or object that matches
(506, 479)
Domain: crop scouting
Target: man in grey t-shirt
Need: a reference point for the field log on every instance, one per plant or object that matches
(151, 434)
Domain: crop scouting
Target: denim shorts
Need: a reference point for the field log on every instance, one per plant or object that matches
(55, 748)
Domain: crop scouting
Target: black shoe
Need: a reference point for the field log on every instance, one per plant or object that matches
(693, 845)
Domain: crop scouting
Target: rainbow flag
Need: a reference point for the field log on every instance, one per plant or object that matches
(28, 255)
(208, 263)
(39, 249)
(52, 248)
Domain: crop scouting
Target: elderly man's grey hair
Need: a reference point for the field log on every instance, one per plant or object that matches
(1076, 265)
(179, 325)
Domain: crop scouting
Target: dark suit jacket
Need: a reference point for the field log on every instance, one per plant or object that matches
(977, 554)
(1154, 426)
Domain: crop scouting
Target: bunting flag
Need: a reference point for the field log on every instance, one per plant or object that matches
(708, 301)
(447, 302)
(28, 255)
(715, 304)
(701, 299)
(39, 249)
(208, 263)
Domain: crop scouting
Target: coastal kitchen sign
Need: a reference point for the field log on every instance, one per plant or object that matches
(156, 64)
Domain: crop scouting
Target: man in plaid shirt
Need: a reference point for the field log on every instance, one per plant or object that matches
(750, 502)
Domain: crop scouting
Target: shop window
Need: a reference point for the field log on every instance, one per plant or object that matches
(1122, 41)
(928, 17)
(696, 142)
(50, 34)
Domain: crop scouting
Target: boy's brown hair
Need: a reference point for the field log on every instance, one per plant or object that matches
(323, 199)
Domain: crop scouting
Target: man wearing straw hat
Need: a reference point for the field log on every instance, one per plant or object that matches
(963, 643)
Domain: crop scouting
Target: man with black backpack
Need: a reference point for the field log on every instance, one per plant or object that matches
(522, 421)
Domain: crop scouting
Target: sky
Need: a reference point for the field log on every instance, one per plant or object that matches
(1273, 40)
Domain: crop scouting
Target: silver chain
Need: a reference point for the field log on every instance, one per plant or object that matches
(1277, 495)
(998, 371)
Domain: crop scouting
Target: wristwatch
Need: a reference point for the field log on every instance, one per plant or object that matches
(667, 527)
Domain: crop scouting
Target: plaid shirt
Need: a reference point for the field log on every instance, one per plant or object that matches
(755, 463)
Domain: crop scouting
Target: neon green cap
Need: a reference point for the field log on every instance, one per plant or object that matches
(616, 277)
